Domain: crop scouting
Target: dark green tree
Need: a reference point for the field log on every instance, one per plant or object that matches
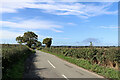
(38, 44)
(29, 38)
(19, 39)
(47, 42)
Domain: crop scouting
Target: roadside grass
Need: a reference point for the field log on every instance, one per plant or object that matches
(100, 70)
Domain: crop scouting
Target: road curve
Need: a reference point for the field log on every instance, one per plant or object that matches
(44, 65)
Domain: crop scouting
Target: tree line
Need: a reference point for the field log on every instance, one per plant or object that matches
(30, 39)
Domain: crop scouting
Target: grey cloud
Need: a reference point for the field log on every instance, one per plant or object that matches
(94, 40)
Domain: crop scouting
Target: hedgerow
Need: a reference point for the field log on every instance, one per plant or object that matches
(109, 57)
(12, 54)
(103, 61)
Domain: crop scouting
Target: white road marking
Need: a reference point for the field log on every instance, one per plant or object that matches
(65, 77)
(51, 64)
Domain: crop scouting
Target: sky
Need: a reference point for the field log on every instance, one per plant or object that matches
(68, 23)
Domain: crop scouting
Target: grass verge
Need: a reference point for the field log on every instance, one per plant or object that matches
(100, 70)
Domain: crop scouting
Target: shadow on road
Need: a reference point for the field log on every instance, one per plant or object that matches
(31, 72)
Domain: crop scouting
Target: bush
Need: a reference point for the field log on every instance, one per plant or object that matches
(11, 54)
(39, 48)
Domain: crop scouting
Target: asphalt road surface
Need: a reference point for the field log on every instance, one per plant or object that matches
(44, 65)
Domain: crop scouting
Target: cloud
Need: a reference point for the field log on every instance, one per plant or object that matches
(77, 9)
(110, 27)
(94, 40)
(59, 8)
(66, 38)
(32, 24)
(86, 0)
(5, 34)
(56, 30)
(9, 36)
(61, 38)
(71, 23)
